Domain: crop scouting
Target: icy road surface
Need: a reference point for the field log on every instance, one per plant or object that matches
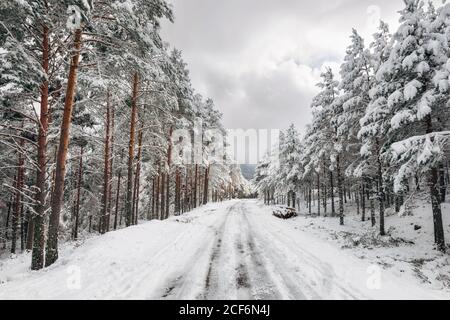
(231, 250)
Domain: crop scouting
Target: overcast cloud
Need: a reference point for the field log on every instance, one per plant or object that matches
(261, 59)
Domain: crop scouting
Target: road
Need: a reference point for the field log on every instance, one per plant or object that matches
(230, 250)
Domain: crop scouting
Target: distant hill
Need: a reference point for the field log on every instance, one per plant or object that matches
(248, 171)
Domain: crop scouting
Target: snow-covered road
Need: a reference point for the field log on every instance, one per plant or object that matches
(231, 250)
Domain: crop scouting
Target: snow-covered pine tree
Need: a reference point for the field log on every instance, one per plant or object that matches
(415, 140)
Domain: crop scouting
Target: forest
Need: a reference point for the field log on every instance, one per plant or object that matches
(90, 95)
(380, 128)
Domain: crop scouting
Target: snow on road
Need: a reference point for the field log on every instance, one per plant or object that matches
(231, 250)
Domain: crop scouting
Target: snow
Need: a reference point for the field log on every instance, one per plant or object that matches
(405, 252)
(230, 250)
(402, 117)
(411, 89)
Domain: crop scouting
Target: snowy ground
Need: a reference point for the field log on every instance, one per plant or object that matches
(231, 250)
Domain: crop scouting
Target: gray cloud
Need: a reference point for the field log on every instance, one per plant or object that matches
(260, 59)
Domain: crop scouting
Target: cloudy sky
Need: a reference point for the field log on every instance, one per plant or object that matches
(260, 59)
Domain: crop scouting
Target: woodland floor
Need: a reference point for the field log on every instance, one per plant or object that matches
(232, 250)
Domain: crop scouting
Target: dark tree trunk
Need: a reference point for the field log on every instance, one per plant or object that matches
(18, 197)
(318, 194)
(324, 189)
(169, 163)
(116, 213)
(137, 183)
(195, 186)
(436, 206)
(333, 209)
(442, 183)
(106, 166)
(163, 196)
(52, 242)
(153, 199)
(30, 230)
(158, 183)
(436, 197)
(340, 191)
(8, 216)
(111, 168)
(381, 196)
(206, 186)
(37, 260)
(309, 200)
(78, 197)
(129, 199)
(363, 200)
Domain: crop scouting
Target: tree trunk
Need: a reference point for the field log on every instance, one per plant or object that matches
(442, 183)
(111, 168)
(436, 206)
(340, 191)
(153, 199)
(169, 163)
(30, 230)
(8, 215)
(52, 242)
(333, 209)
(158, 183)
(37, 260)
(78, 197)
(318, 194)
(324, 191)
(309, 200)
(137, 183)
(206, 186)
(116, 213)
(129, 199)
(363, 200)
(381, 196)
(372, 208)
(195, 185)
(106, 167)
(163, 198)
(18, 196)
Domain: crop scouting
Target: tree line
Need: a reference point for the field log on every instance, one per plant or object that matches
(90, 96)
(380, 129)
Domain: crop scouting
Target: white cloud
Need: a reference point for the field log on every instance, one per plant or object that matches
(261, 59)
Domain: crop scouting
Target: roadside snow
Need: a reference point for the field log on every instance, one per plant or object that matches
(231, 250)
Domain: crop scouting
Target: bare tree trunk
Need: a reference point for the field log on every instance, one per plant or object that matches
(325, 206)
(129, 199)
(78, 197)
(381, 196)
(37, 260)
(433, 180)
(116, 213)
(30, 230)
(195, 185)
(111, 168)
(158, 183)
(153, 199)
(18, 197)
(206, 186)
(442, 183)
(106, 167)
(169, 163)
(340, 191)
(333, 209)
(52, 242)
(318, 194)
(8, 216)
(137, 183)
(363, 200)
